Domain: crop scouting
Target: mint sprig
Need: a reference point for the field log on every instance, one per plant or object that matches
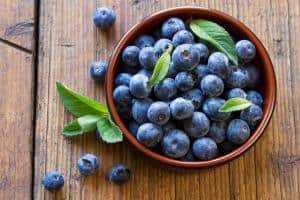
(91, 115)
(235, 104)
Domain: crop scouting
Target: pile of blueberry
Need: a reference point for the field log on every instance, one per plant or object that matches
(179, 117)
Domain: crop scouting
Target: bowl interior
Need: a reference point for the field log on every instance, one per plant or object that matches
(238, 31)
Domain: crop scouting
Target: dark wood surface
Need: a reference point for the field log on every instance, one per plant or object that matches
(31, 115)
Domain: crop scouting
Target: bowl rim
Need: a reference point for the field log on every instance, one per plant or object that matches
(194, 164)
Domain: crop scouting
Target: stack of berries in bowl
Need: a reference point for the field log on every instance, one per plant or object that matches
(180, 116)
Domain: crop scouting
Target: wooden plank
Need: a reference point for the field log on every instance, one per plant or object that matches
(17, 22)
(16, 119)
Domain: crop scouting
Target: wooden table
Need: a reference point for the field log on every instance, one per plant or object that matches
(45, 41)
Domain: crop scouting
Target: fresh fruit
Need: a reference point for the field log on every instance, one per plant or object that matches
(238, 131)
(104, 17)
(172, 26)
(139, 86)
(217, 131)
(149, 134)
(130, 56)
(218, 64)
(181, 108)
(236, 92)
(197, 126)
(53, 181)
(212, 86)
(166, 89)
(205, 148)
(159, 113)
(194, 95)
(183, 37)
(238, 78)
(123, 79)
(246, 50)
(119, 174)
(162, 45)
(204, 52)
(252, 115)
(139, 110)
(255, 97)
(184, 81)
(185, 57)
(98, 70)
(88, 164)
(144, 41)
(148, 57)
(211, 108)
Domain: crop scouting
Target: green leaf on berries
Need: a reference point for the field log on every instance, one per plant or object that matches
(235, 104)
(109, 131)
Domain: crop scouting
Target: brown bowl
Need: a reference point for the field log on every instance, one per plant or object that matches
(239, 31)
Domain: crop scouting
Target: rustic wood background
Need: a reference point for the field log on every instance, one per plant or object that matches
(45, 41)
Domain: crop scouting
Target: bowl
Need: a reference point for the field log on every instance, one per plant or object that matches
(238, 31)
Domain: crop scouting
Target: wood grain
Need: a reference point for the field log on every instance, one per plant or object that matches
(16, 119)
(70, 42)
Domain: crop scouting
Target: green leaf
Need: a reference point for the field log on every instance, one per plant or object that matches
(161, 67)
(81, 125)
(235, 104)
(216, 35)
(109, 131)
(80, 105)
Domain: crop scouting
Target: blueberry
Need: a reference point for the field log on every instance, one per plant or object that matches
(144, 41)
(204, 52)
(119, 174)
(197, 126)
(88, 164)
(133, 127)
(188, 156)
(159, 113)
(104, 17)
(166, 89)
(238, 131)
(218, 64)
(145, 72)
(238, 78)
(183, 37)
(212, 86)
(181, 108)
(227, 147)
(149, 134)
(194, 95)
(130, 56)
(139, 110)
(200, 71)
(185, 57)
(139, 86)
(211, 108)
(205, 148)
(170, 125)
(254, 75)
(162, 45)
(184, 81)
(123, 79)
(148, 57)
(236, 93)
(172, 26)
(175, 143)
(217, 132)
(172, 71)
(53, 181)
(246, 50)
(252, 115)
(255, 97)
(122, 95)
(98, 70)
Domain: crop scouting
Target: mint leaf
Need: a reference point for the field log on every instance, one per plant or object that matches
(109, 131)
(235, 104)
(216, 35)
(81, 125)
(80, 105)
(161, 67)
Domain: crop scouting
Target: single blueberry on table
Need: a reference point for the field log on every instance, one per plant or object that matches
(185, 57)
(211, 108)
(53, 181)
(194, 95)
(255, 97)
(204, 52)
(172, 26)
(217, 132)
(205, 148)
(254, 75)
(119, 174)
(212, 86)
(133, 127)
(185, 81)
(139, 110)
(218, 64)
(252, 115)
(88, 164)
(121, 95)
(170, 125)
(166, 89)
(188, 156)
(148, 57)
(145, 72)
(200, 71)
(144, 41)
(104, 17)
(238, 78)
(238, 131)
(162, 45)
(130, 56)
(123, 79)
(183, 37)
(139, 86)
(98, 70)
(181, 108)
(197, 126)
(246, 50)
(149, 134)
(159, 113)
(175, 143)
(235, 93)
